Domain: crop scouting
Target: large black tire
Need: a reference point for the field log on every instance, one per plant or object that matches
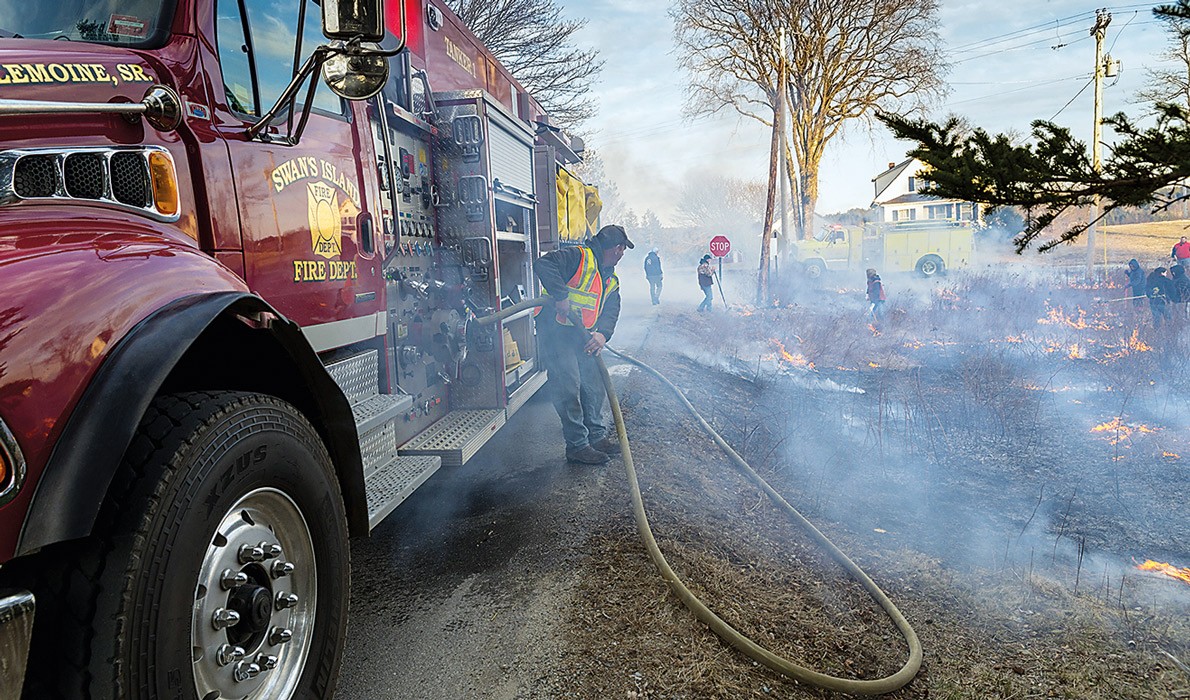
(931, 266)
(214, 485)
(814, 269)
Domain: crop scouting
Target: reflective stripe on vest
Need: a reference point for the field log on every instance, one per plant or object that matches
(586, 289)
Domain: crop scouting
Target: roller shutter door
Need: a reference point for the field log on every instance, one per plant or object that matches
(511, 159)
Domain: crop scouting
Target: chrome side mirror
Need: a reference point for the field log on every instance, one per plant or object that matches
(355, 73)
(350, 19)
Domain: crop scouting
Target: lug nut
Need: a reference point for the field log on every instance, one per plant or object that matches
(225, 618)
(228, 654)
(286, 600)
(229, 579)
(246, 670)
(271, 551)
(250, 553)
(279, 635)
(266, 661)
(281, 568)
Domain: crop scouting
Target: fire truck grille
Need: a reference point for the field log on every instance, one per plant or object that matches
(111, 176)
(130, 179)
(84, 175)
(36, 176)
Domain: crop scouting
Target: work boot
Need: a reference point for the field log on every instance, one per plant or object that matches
(607, 444)
(587, 455)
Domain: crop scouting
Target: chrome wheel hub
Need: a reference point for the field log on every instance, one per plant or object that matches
(254, 601)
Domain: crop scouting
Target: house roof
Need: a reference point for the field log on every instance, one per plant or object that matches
(886, 178)
(910, 197)
(894, 170)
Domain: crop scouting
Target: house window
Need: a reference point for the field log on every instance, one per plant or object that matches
(912, 184)
(912, 214)
(896, 215)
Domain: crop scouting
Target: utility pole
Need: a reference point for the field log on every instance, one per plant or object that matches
(1102, 19)
(783, 249)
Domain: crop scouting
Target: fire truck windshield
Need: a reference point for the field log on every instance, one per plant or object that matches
(139, 23)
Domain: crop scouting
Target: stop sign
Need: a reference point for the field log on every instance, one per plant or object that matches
(720, 246)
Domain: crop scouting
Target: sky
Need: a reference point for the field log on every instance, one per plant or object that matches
(1011, 62)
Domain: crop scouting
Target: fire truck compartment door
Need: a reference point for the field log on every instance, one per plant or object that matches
(511, 159)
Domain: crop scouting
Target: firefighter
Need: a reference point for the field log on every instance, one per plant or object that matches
(582, 281)
(876, 297)
(1159, 289)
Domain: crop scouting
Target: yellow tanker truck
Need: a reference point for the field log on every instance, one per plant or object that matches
(928, 248)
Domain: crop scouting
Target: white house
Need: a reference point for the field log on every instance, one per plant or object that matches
(898, 199)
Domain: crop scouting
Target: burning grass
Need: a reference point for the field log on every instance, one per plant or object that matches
(975, 476)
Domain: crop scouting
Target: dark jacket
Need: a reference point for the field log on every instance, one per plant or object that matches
(875, 289)
(1159, 286)
(555, 269)
(652, 265)
(1136, 278)
(1180, 283)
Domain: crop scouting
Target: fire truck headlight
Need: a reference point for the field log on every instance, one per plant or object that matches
(165, 182)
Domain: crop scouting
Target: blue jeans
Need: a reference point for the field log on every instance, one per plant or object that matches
(574, 385)
(655, 289)
(709, 293)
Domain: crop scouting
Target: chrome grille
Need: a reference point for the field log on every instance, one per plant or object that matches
(117, 176)
(84, 175)
(36, 176)
(130, 179)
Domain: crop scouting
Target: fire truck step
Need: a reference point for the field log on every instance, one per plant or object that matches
(378, 447)
(392, 483)
(358, 376)
(457, 437)
(525, 391)
(379, 409)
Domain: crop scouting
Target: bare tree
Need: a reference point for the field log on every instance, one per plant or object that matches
(1173, 84)
(719, 204)
(535, 42)
(846, 60)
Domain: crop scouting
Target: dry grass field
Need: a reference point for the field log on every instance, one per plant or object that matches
(1149, 243)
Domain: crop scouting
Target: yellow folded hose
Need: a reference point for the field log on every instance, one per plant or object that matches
(725, 631)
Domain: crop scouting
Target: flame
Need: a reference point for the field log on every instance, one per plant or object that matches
(873, 365)
(1120, 430)
(914, 344)
(1057, 316)
(1075, 353)
(795, 360)
(1171, 455)
(874, 329)
(947, 295)
(1170, 570)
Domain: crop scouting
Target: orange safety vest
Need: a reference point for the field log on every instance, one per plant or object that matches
(587, 290)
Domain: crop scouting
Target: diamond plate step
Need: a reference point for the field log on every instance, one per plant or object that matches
(392, 483)
(357, 376)
(380, 409)
(457, 437)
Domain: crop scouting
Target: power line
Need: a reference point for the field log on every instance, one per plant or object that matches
(1072, 99)
(1007, 92)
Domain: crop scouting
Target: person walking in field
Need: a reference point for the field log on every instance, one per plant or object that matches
(1180, 254)
(706, 281)
(1137, 282)
(876, 297)
(653, 274)
(1181, 291)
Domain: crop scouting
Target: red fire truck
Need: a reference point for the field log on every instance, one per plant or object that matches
(238, 268)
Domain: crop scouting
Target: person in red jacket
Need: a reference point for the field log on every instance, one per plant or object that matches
(875, 296)
(581, 279)
(1181, 253)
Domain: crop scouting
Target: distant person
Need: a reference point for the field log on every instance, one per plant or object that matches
(706, 281)
(1181, 288)
(1181, 253)
(653, 274)
(876, 296)
(1159, 289)
(1137, 282)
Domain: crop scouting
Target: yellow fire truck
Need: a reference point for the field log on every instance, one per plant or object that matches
(928, 248)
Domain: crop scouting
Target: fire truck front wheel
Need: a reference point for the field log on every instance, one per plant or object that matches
(223, 557)
(814, 269)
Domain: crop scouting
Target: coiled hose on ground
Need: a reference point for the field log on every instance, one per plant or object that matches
(725, 631)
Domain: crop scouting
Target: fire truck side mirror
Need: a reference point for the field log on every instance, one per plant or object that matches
(353, 19)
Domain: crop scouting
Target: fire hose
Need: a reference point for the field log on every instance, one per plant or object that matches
(704, 614)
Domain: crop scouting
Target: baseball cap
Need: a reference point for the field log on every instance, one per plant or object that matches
(613, 235)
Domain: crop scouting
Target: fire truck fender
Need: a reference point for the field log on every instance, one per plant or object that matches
(181, 347)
